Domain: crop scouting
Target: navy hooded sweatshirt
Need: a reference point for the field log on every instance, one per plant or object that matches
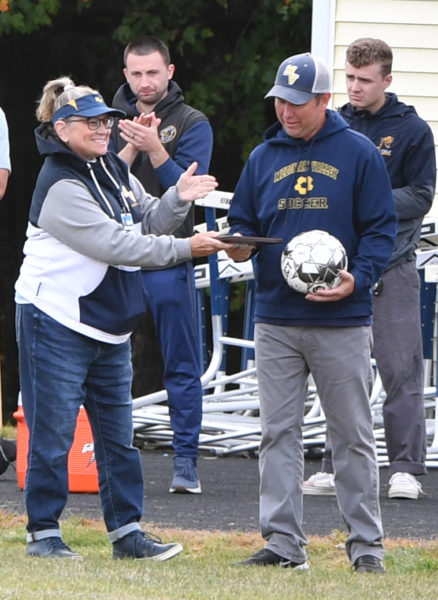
(406, 143)
(337, 181)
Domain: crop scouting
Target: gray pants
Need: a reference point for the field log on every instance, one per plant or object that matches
(398, 350)
(338, 358)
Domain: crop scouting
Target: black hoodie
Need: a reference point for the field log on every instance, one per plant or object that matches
(176, 119)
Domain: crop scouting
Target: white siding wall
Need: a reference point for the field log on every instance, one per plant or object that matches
(410, 27)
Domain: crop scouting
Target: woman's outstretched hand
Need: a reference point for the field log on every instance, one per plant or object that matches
(192, 187)
(206, 243)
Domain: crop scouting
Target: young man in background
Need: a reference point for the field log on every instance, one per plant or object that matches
(160, 139)
(406, 143)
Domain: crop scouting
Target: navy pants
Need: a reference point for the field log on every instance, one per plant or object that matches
(171, 298)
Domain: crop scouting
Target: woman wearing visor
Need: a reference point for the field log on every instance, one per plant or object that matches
(91, 228)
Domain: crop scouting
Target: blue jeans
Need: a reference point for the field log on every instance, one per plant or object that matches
(60, 370)
(170, 294)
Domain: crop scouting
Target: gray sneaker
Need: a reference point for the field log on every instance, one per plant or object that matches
(185, 476)
(50, 547)
(139, 544)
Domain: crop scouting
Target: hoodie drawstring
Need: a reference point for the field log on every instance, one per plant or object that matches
(124, 205)
(99, 189)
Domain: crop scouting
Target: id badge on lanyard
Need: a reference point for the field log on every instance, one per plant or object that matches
(127, 221)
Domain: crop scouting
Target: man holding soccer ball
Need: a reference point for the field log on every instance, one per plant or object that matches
(312, 172)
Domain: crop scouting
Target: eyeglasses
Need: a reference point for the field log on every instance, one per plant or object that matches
(94, 122)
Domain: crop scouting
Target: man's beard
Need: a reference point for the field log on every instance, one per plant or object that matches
(150, 100)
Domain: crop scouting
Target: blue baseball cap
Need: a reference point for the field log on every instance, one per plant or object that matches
(92, 105)
(299, 78)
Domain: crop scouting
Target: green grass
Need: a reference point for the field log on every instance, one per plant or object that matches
(206, 569)
(9, 432)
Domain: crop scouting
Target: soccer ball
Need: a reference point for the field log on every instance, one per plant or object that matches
(312, 260)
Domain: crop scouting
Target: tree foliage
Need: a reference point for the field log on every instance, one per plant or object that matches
(26, 16)
(230, 50)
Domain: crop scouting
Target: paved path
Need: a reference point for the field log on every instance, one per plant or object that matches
(230, 500)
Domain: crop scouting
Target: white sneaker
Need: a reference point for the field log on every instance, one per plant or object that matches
(404, 485)
(320, 484)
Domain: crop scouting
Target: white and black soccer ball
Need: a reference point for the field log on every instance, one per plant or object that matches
(312, 260)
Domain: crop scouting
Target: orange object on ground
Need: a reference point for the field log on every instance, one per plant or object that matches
(82, 472)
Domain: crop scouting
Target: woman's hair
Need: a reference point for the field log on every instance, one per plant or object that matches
(56, 93)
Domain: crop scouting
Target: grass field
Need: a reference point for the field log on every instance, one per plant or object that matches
(206, 569)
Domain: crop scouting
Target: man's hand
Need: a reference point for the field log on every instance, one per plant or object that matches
(192, 187)
(141, 132)
(240, 252)
(344, 289)
(141, 135)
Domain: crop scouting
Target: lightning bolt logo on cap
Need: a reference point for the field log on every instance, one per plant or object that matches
(291, 74)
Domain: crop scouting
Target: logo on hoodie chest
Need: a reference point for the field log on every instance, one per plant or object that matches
(168, 134)
(304, 184)
(305, 167)
(385, 145)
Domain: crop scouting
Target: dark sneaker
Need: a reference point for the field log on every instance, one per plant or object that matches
(185, 476)
(141, 545)
(51, 547)
(9, 449)
(266, 557)
(8, 453)
(368, 564)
